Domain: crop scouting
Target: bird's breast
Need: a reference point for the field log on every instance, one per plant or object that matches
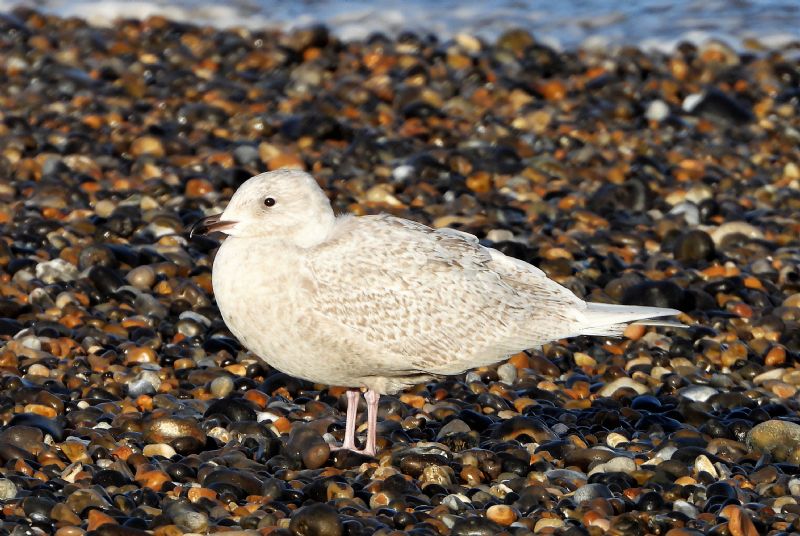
(259, 293)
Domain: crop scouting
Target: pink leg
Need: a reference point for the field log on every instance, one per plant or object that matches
(350, 424)
(372, 398)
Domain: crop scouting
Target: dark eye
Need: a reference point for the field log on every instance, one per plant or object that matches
(270, 201)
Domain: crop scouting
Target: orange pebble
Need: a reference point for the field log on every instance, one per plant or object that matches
(415, 401)
(520, 360)
(97, 519)
(282, 424)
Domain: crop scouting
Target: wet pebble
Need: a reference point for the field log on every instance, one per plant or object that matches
(589, 492)
(56, 271)
(222, 386)
(779, 438)
(475, 526)
(8, 490)
(166, 429)
(693, 247)
(316, 520)
(141, 277)
(307, 445)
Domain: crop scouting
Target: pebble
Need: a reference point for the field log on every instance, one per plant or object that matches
(657, 110)
(702, 463)
(8, 490)
(307, 445)
(620, 384)
(693, 247)
(146, 382)
(501, 514)
(507, 373)
(80, 500)
(316, 520)
(141, 277)
(131, 409)
(546, 523)
(698, 393)
(166, 429)
(475, 526)
(589, 492)
(615, 465)
(720, 233)
(454, 427)
(159, 449)
(56, 271)
(147, 145)
(779, 438)
(191, 521)
(221, 387)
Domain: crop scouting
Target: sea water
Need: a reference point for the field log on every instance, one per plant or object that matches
(560, 23)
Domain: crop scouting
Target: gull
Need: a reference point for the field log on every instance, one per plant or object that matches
(378, 302)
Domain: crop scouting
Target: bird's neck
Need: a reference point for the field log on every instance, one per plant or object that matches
(314, 232)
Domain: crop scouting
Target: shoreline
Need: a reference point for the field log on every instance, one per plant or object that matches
(603, 31)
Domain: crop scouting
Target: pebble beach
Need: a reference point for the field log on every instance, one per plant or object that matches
(668, 179)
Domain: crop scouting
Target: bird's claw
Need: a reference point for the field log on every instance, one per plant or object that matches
(352, 448)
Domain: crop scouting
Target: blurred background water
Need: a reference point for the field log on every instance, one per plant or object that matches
(563, 23)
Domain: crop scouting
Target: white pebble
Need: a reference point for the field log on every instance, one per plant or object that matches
(657, 110)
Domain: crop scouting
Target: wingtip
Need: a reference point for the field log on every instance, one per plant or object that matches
(610, 319)
(661, 324)
(642, 311)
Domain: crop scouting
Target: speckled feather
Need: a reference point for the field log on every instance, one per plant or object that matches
(438, 301)
(378, 301)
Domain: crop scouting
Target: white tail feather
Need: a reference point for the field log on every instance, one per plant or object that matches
(610, 320)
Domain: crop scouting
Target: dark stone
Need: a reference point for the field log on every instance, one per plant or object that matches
(105, 280)
(475, 420)
(655, 294)
(500, 159)
(721, 489)
(9, 326)
(694, 247)
(38, 508)
(475, 526)
(720, 107)
(242, 483)
(48, 426)
(109, 477)
(316, 519)
(524, 427)
(651, 502)
(413, 463)
(646, 403)
(235, 409)
(97, 255)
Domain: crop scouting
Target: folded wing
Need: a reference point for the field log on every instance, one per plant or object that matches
(435, 299)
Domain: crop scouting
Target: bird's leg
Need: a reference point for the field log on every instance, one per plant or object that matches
(352, 416)
(350, 424)
(372, 398)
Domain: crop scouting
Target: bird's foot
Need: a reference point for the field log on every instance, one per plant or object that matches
(352, 448)
(349, 442)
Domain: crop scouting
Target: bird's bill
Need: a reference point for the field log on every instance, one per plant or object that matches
(210, 224)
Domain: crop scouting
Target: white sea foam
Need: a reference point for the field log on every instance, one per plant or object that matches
(652, 24)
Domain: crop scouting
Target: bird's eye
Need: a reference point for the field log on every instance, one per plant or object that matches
(270, 201)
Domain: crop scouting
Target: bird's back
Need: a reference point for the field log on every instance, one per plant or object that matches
(432, 301)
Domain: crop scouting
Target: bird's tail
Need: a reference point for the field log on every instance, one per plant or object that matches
(609, 320)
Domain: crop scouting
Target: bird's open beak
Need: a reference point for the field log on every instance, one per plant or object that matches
(210, 224)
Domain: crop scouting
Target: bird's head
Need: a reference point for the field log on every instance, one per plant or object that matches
(285, 205)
